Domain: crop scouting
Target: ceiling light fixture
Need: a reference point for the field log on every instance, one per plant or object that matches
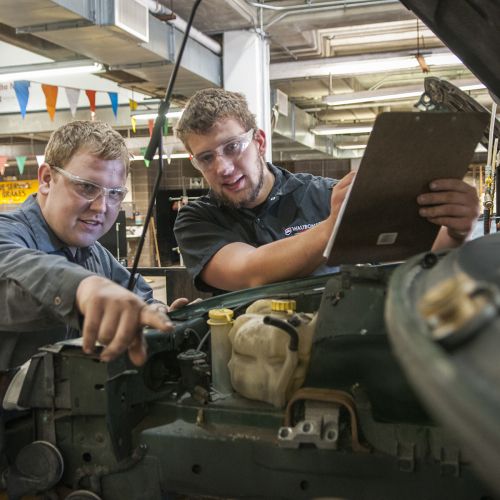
(359, 65)
(341, 129)
(390, 94)
(351, 146)
(34, 71)
(173, 156)
(174, 113)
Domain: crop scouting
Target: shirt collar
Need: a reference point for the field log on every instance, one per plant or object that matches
(284, 183)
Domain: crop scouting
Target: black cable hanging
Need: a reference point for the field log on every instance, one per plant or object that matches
(156, 144)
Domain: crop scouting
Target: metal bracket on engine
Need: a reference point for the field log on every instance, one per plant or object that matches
(333, 399)
(320, 427)
(406, 456)
(450, 461)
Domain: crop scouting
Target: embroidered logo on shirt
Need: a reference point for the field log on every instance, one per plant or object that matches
(289, 231)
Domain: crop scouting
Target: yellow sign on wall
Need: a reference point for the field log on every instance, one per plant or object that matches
(13, 192)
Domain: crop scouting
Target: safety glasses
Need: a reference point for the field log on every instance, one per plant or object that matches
(230, 150)
(90, 190)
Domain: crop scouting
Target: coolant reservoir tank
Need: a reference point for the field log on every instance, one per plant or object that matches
(220, 322)
(262, 365)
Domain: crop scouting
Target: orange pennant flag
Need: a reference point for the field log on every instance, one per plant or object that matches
(91, 98)
(150, 126)
(50, 92)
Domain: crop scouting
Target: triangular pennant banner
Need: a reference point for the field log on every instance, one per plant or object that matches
(22, 89)
(3, 161)
(50, 92)
(40, 159)
(21, 160)
(151, 124)
(143, 152)
(91, 97)
(132, 104)
(168, 149)
(113, 97)
(133, 121)
(72, 95)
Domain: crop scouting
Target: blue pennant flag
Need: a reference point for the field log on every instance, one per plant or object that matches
(113, 96)
(22, 89)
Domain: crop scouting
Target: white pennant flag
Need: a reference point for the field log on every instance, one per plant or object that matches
(40, 159)
(72, 95)
(168, 150)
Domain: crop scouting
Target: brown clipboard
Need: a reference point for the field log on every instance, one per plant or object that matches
(379, 220)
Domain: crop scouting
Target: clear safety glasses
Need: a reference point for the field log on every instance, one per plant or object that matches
(230, 150)
(90, 190)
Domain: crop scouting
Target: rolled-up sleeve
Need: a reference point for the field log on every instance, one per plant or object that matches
(199, 238)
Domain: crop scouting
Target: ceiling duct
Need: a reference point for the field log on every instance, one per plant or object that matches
(295, 126)
(121, 34)
(132, 16)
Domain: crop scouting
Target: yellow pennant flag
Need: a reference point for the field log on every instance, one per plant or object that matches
(133, 106)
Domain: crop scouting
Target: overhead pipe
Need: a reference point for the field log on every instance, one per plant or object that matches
(242, 7)
(318, 7)
(332, 3)
(157, 8)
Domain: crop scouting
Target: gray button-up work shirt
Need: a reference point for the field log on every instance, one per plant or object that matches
(38, 283)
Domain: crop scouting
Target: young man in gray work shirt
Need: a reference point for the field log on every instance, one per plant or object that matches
(261, 224)
(53, 272)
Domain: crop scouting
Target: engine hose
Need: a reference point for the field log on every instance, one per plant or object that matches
(286, 327)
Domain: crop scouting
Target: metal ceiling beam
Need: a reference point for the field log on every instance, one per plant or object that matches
(13, 150)
(36, 122)
(296, 127)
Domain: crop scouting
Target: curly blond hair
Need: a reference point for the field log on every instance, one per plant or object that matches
(95, 137)
(209, 106)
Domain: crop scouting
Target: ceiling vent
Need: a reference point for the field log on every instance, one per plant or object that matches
(282, 102)
(132, 16)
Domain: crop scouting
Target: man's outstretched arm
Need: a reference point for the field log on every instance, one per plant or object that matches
(239, 265)
(114, 317)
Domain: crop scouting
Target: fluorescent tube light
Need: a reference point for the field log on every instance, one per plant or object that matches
(373, 96)
(175, 113)
(389, 94)
(359, 65)
(442, 59)
(173, 156)
(341, 130)
(34, 71)
(351, 146)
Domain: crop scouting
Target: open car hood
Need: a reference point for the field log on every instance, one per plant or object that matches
(471, 30)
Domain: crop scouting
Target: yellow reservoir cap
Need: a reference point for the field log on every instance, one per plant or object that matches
(283, 305)
(221, 314)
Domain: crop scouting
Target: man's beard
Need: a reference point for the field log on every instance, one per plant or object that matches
(251, 197)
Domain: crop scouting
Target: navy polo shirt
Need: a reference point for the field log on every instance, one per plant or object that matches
(296, 203)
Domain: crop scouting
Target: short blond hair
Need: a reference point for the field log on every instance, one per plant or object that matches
(209, 106)
(95, 137)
